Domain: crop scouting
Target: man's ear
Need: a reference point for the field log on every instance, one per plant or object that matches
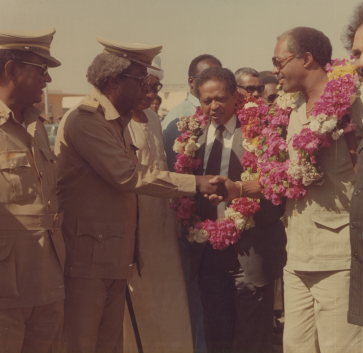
(308, 59)
(10, 70)
(191, 82)
(235, 97)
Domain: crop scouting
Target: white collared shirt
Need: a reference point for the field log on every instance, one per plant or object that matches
(226, 152)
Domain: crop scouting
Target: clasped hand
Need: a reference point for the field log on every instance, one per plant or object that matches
(217, 188)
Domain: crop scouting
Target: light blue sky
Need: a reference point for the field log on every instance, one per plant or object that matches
(238, 32)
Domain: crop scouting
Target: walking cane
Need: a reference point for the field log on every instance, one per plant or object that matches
(133, 320)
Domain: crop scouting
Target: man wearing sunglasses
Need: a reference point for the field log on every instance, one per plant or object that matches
(32, 250)
(317, 272)
(99, 176)
(249, 82)
(270, 82)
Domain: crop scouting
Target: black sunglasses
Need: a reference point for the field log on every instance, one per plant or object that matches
(251, 89)
(157, 87)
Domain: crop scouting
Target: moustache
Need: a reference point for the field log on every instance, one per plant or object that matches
(279, 77)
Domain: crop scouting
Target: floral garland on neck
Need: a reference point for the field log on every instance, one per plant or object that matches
(265, 142)
(264, 131)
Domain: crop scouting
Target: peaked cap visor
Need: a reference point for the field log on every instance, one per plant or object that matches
(140, 53)
(37, 42)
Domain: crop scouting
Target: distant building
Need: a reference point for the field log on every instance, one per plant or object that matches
(59, 102)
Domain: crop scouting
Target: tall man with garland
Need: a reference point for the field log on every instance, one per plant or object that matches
(236, 284)
(99, 176)
(317, 273)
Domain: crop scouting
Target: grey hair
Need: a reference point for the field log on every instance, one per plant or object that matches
(246, 71)
(105, 66)
(301, 40)
(16, 55)
(355, 22)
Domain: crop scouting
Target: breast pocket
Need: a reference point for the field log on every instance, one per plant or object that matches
(100, 244)
(18, 180)
(336, 156)
(49, 167)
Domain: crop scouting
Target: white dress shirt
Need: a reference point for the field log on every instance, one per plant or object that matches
(230, 126)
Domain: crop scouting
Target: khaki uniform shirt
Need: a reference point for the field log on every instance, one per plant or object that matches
(98, 178)
(317, 225)
(32, 250)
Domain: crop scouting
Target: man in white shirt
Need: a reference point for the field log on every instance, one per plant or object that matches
(236, 284)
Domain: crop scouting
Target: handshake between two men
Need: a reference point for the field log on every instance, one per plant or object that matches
(220, 188)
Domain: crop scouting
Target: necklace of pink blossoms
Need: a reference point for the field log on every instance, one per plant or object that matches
(264, 132)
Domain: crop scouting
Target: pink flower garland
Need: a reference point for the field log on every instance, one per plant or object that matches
(238, 215)
(267, 156)
(264, 131)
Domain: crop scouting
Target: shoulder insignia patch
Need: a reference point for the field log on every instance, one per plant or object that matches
(89, 105)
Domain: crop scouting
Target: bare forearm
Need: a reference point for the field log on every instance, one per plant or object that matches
(251, 189)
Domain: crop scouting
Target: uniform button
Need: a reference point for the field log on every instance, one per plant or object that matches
(356, 192)
(100, 236)
(352, 225)
(355, 257)
(41, 174)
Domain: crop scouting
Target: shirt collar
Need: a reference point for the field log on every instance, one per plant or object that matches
(109, 110)
(194, 100)
(230, 125)
(30, 114)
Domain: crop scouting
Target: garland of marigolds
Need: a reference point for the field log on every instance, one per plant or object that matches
(264, 133)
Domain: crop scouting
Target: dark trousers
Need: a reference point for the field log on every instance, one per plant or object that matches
(238, 316)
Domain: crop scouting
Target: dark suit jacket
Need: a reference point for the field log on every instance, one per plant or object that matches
(261, 250)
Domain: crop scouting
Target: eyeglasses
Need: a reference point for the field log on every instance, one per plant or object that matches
(276, 62)
(251, 89)
(145, 80)
(157, 87)
(272, 97)
(44, 67)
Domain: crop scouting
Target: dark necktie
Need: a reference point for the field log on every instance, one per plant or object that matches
(213, 168)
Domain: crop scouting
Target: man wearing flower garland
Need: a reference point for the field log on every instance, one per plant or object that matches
(303, 154)
(237, 281)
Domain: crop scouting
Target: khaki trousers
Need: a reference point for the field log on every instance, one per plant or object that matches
(93, 315)
(316, 307)
(32, 330)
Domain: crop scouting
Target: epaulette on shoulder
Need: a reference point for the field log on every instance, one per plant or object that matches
(89, 105)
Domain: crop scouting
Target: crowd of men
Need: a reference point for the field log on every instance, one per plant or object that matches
(68, 219)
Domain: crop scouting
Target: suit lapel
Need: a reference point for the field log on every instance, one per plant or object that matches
(235, 166)
(202, 141)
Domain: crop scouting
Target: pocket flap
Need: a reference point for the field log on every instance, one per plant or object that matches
(49, 155)
(331, 220)
(13, 160)
(6, 244)
(100, 230)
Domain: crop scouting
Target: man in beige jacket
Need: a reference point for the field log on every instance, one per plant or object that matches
(31, 245)
(317, 273)
(99, 177)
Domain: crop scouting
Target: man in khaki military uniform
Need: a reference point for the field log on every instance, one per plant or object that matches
(31, 245)
(99, 177)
